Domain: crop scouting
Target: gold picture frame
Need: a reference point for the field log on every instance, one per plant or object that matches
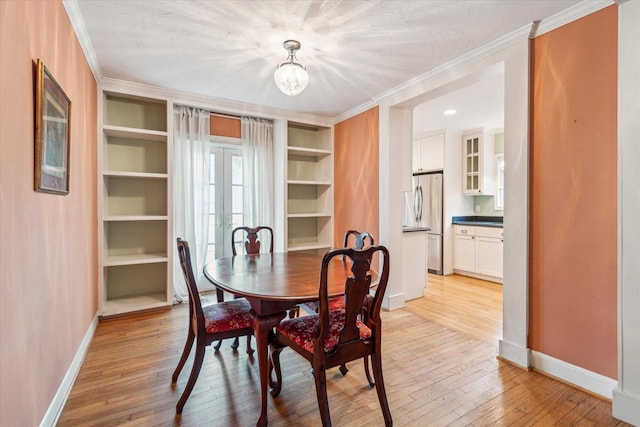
(52, 134)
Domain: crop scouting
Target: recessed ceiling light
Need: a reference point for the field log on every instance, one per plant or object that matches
(450, 112)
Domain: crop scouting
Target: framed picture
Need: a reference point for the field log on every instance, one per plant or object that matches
(52, 130)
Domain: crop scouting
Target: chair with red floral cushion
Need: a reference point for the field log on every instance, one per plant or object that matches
(337, 303)
(335, 337)
(227, 319)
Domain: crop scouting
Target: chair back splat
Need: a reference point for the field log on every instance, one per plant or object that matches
(252, 242)
(360, 239)
(333, 337)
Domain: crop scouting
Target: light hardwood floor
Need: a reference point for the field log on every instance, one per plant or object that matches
(439, 361)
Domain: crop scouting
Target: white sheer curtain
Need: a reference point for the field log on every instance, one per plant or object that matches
(257, 166)
(190, 190)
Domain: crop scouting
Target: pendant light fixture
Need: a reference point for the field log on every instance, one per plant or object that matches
(291, 77)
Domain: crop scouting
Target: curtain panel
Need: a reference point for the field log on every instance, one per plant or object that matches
(191, 168)
(257, 159)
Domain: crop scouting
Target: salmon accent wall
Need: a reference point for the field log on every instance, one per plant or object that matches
(48, 259)
(573, 264)
(223, 126)
(355, 175)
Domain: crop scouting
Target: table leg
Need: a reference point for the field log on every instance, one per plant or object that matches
(262, 325)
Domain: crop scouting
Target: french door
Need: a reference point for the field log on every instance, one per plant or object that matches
(225, 199)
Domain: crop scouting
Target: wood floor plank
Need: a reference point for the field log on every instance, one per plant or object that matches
(439, 361)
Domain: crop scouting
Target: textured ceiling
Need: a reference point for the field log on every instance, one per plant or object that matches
(354, 50)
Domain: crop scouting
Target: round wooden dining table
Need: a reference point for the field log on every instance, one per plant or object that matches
(273, 283)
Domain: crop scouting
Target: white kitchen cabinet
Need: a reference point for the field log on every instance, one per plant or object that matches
(309, 188)
(134, 205)
(478, 252)
(428, 153)
(464, 248)
(477, 163)
(489, 251)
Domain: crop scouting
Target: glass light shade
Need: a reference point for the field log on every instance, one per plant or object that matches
(291, 78)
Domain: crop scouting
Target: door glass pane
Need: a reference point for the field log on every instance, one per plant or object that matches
(236, 170)
(237, 220)
(236, 199)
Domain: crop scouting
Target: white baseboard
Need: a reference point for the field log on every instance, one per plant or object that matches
(626, 407)
(580, 377)
(393, 302)
(59, 400)
(514, 353)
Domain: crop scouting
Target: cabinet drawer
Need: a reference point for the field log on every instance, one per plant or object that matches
(495, 232)
(464, 230)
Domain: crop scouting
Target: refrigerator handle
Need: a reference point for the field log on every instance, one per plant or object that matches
(416, 203)
(421, 203)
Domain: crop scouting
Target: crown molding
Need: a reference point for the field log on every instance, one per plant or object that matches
(477, 54)
(73, 12)
(578, 11)
(355, 111)
(212, 104)
(529, 31)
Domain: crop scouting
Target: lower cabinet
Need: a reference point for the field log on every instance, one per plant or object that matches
(478, 252)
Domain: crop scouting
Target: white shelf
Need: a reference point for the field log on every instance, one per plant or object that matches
(136, 218)
(309, 188)
(114, 307)
(111, 261)
(299, 182)
(134, 133)
(134, 201)
(309, 215)
(309, 152)
(143, 175)
(310, 246)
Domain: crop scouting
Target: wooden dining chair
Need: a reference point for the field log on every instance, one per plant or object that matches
(336, 303)
(227, 319)
(252, 246)
(335, 337)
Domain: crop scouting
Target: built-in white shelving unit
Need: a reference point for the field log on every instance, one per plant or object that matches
(309, 188)
(134, 205)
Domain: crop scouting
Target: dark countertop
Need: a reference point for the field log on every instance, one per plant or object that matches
(410, 229)
(481, 221)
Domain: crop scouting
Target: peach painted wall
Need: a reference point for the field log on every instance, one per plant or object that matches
(355, 175)
(573, 266)
(48, 260)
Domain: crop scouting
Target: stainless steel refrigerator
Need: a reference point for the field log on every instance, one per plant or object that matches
(427, 204)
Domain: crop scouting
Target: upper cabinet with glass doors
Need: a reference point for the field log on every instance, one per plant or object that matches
(309, 188)
(134, 204)
(477, 166)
